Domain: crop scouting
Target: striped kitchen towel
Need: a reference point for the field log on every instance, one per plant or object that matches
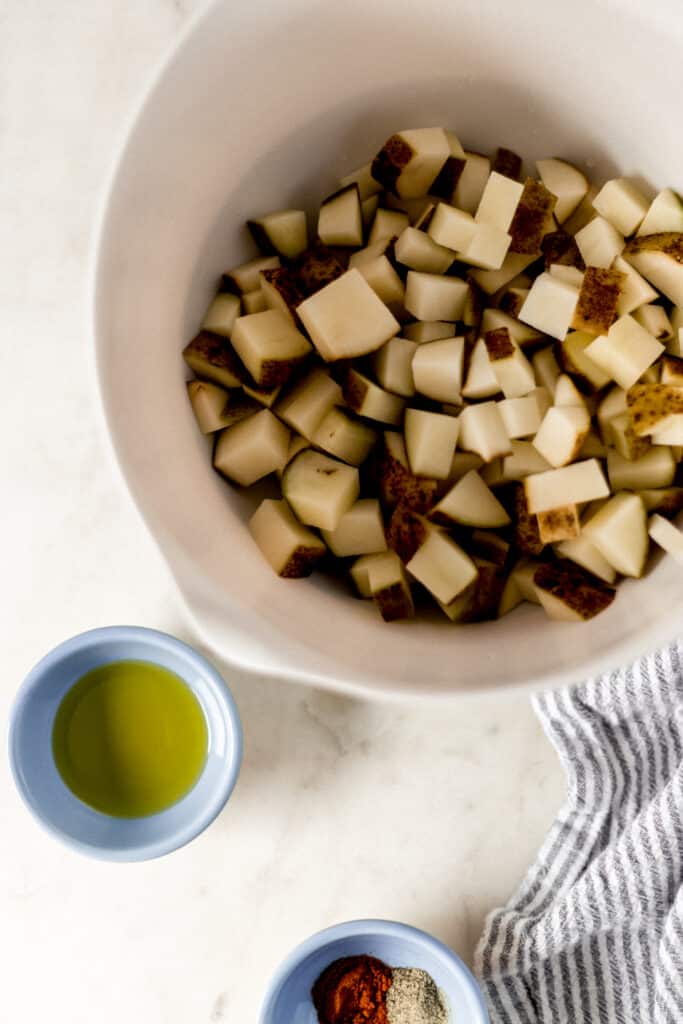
(595, 932)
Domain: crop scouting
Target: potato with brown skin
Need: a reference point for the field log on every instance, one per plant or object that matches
(212, 357)
(406, 530)
(282, 290)
(531, 219)
(558, 524)
(508, 163)
(596, 309)
(526, 533)
(317, 267)
(560, 247)
(446, 181)
(582, 595)
(395, 480)
(650, 404)
(489, 547)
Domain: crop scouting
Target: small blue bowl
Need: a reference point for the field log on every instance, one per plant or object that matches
(52, 802)
(288, 1000)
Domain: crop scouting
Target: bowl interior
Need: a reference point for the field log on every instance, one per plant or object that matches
(289, 1001)
(264, 106)
(50, 799)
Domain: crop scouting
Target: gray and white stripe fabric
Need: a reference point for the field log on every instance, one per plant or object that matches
(595, 932)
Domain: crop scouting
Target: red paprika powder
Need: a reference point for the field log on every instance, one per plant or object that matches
(353, 991)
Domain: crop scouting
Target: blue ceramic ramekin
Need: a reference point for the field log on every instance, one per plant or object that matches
(52, 802)
(288, 1000)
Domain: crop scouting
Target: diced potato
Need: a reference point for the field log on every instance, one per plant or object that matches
(360, 574)
(430, 442)
(437, 368)
(659, 258)
(254, 302)
(599, 243)
(654, 469)
(306, 405)
(569, 485)
(533, 218)
(292, 550)
(212, 358)
(484, 544)
(523, 576)
(550, 306)
(635, 290)
(668, 501)
(281, 290)
(521, 416)
(270, 346)
(481, 381)
(418, 251)
(564, 181)
(387, 224)
(622, 437)
(598, 300)
(585, 554)
(252, 448)
(221, 314)
(406, 531)
(446, 181)
(208, 404)
(434, 297)
(409, 161)
(491, 281)
(362, 177)
(623, 204)
(671, 433)
(511, 368)
(568, 595)
(570, 275)
(245, 278)
(345, 438)
(451, 227)
(619, 532)
(428, 330)
(573, 356)
(368, 399)
(487, 248)
(625, 352)
(389, 587)
(665, 213)
(482, 431)
(559, 524)
(360, 531)
(562, 433)
(667, 536)
(654, 319)
(471, 503)
(672, 371)
(524, 461)
(442, 567)
(567, 393)
(340, 220)
(396, 481)
(546, 369)
(480, 601)
(319, 489)
(650, 406)
(393, 366)
(462, 463)
(346, 319)
(472, 182)
(381, 276)
(499, 201)
(282, 233)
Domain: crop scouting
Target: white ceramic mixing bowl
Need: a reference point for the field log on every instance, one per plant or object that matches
(265, 105)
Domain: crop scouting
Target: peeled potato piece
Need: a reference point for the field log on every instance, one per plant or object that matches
(442, 567)
(360, 531)
(619, 532)
(252, 449)
(389, 587)
(346, 319)
(668, 536)
(320, 489)
(471, 503)
(269, 346)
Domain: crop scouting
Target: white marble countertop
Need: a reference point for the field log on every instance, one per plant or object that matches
(343, 809)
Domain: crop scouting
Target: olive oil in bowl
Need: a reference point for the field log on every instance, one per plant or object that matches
(130, 739)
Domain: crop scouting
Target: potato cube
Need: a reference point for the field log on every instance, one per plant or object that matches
(346, 319)
(292, 550)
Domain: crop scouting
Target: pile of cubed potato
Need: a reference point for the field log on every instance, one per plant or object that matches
(467, 381)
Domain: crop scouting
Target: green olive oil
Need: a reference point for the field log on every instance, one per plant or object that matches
(130, 739)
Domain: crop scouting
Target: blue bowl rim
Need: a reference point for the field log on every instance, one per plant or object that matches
(156, 638)
(351, 929)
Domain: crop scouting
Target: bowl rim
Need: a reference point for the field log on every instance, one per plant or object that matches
(388, 928)
(195, 823)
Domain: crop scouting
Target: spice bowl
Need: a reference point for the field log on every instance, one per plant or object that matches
(289, 1001)
(52, 802)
